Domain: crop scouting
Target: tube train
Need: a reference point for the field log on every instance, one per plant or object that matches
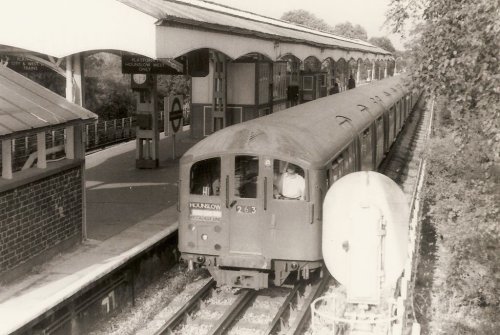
(233, 218)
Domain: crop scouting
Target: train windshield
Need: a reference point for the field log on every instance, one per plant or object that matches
(289, 181)
(205, 177)
(246, 172)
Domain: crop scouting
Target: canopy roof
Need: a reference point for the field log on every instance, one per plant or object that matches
(165, 29)
(303, 133)
(26, 107)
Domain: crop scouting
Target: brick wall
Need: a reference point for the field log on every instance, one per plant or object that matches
(39, 215)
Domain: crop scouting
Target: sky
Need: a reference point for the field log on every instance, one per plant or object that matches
(370, 14)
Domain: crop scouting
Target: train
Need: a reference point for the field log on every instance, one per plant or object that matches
(234, 218)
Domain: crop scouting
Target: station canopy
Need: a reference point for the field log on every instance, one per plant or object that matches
(27, 107)
(165, 29)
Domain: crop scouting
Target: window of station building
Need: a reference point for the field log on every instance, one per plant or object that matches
(264, 71)
(322, 80)
(205, 177)
(279, 81)
(307, 83)
(293, 69)
(246, 173)
(289, 181)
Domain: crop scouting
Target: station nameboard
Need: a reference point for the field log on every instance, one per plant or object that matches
(140, 64)
(23, 64)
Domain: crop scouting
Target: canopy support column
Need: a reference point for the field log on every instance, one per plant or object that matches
(41, 151)
(74, 79)
(219, 92)
(7, 159)
(358, 72)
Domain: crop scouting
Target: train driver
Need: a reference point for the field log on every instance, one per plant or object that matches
(292, 185)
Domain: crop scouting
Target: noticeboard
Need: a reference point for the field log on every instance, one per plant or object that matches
(23, 64)
(141, 64)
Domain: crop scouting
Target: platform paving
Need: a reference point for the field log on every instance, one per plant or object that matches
(128, 210)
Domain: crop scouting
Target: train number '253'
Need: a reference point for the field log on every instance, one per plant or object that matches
(246, 209)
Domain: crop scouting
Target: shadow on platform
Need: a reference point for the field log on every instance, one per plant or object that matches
(119, 195)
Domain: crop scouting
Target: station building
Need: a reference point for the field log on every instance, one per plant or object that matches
(42, 191)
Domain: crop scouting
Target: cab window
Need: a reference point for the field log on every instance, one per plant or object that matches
(246, 173)
(205, 177)
(289, 181)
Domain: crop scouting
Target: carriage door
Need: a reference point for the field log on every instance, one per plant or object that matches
(289, 216)
(245, 210)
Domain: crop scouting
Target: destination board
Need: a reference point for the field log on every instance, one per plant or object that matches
(201, 211)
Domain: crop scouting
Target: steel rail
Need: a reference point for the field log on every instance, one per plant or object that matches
(305, 313)
(285, 309)
(178, 317)
(226, 320)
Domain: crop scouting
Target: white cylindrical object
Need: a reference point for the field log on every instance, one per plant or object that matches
(365, 231)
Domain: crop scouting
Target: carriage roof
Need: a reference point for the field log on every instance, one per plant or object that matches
(310, 133)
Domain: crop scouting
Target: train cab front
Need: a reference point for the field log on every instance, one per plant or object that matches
(240, 221)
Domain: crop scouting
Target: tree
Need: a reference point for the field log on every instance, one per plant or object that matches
(107, 90)
(383, 42)
(455, 49)
(305, 18)
(347, 29)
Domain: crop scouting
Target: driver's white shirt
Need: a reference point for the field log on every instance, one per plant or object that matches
(293, 185)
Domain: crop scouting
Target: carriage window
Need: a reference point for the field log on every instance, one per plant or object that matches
(289, 181)
(366, 150)
(348, 159)
(347, 165)
(337, 170)
(246, 173)
(205, 177)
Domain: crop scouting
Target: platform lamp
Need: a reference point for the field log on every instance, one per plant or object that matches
(147, 130)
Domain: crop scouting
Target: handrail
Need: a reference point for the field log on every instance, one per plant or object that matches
(31, 159)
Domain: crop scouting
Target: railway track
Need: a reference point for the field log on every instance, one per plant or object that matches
(402, 163)
(210, 310)
(405, 165)
(205, 309)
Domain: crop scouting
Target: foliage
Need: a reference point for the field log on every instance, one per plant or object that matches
(108, 92)
(50, 79)
(305, 18)
(383, 42)
(347, 29)
(310, 20)
(108, 98)
(455, 52)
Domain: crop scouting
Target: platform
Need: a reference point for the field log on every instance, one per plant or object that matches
(128, 210)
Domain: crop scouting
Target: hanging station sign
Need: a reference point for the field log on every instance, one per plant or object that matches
(145, 65)
(23, 64)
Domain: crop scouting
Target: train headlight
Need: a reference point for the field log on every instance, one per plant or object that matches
(204, 237)
(200, 259)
